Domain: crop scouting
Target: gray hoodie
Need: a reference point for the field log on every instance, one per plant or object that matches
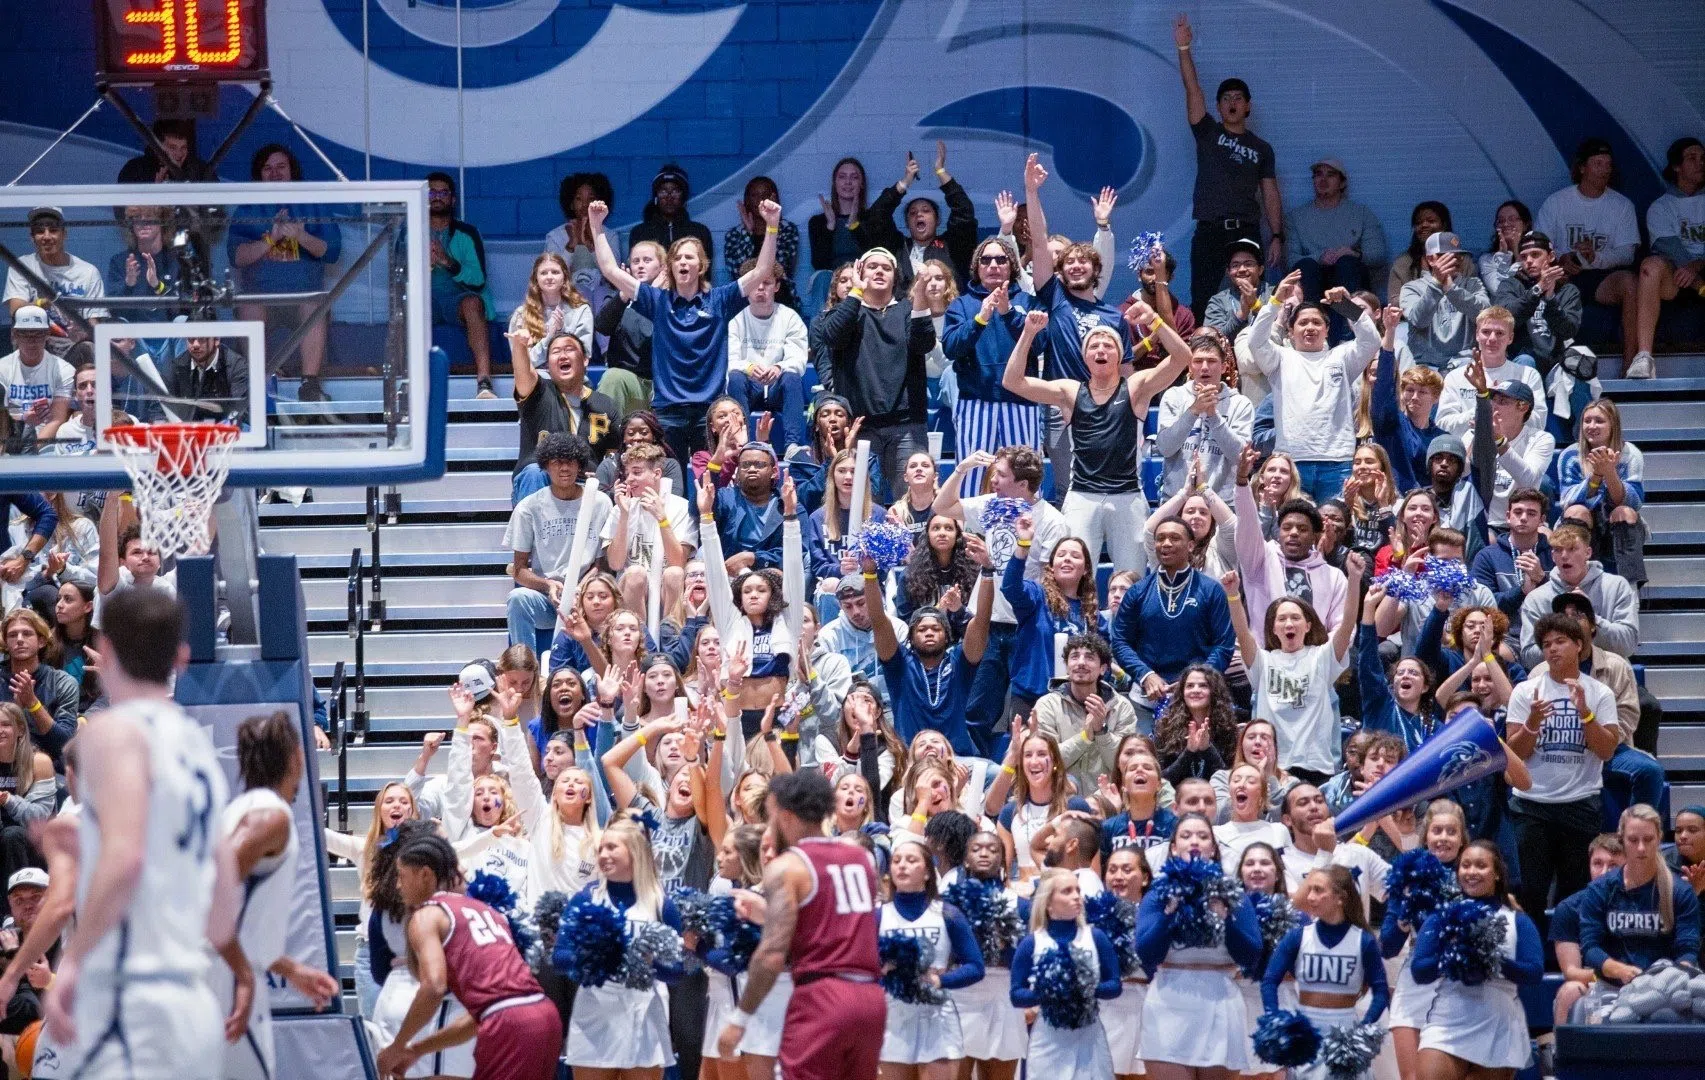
(1615, 604)
(1441, 321)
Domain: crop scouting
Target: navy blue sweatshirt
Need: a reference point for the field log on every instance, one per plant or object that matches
(1032, 663)
(1146, 639)
(1064, 932)
(1618, 923)
(964, 955)
(1494, 566)
(979, 352)
(1403, 442)
(1380, 711)
(1290, 947)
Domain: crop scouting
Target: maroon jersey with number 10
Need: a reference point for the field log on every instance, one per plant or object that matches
(836, 931)
(484, 965)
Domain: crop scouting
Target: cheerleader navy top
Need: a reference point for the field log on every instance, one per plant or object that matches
(1063, 934)
(1242, 947)
(1328, 958)
(1619, 923)
(1522, 963)
(949, 946)
(1032, 659)
(1107, 443)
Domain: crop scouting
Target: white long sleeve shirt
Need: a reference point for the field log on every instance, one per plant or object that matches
(1523, 464)
(1314, 418)
(1456, 404)
(779, 341)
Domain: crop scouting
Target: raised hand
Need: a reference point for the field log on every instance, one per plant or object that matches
(1034, 175)
(1337, 294)
(911, 169)
(1182, 35)
(941, 158)
(1290, 289)
(789, 496)
(706, 496)
(770, 211)
(1476, 374)
(978, 549)
(596, 212)
(460, 700)
(508, 702)
(765, 420)
(1006, 211)
(828, 209)
(1102, 207)
(1230, 582)
(1247, 459)
(1140, 316)
(1035, 321)
(1025, 527)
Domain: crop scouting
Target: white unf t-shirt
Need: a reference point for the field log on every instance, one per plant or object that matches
(543, 525)
(1563, 768)
(76, 278)
(1294, 692)
(643, 533)
(25, 385)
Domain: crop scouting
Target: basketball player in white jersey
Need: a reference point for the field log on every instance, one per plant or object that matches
(156, 880)
(262, 833)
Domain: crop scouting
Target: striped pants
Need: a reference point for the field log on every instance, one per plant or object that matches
(990, 425)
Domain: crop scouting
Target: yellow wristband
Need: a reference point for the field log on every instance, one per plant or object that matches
(580, 742)
(771, 230)
(870, 577)
(711, 466)
(511, 721)
(979, 320)
(641, 737)
(790, 736)
(941, 172)
(920, 817)
(1086, 736)
(1589, 718)
(1490, 659)
(1024, 543)
(1234, 596)
(719, 734)
(1009, 770)
(851, 225)
(37, 707)
(729, 695)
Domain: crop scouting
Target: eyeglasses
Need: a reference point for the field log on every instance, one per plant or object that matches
(993, 260)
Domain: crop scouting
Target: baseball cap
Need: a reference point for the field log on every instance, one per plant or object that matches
(1443, 243)
(1447, 444)
(1244, 243)
(479, 679)
(53, 212)
(1331, 163)
(1533, 239)
(29, 317)
(29, 875)
(850, 585)
(1515, 390)
(1565, 603)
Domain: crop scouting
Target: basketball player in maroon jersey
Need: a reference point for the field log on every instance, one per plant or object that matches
(820, 924)
(461, 946)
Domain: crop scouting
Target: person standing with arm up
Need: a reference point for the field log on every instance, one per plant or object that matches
(689, 343)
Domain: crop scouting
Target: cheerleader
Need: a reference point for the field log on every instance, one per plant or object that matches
(761, 1043)
(1056, 922)
(1127, 876)
(1194, 1022)
(616, 1032)
(921, 1041)
(1481, 1030)
(738, 866)
(1333, 959)
(985, 1007)
(1444, 831)
(1257, 868)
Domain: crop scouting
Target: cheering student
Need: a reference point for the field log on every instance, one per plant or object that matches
(1063, 603)
(1444, 832)
(1481, 1029)
(1035, 773)
(1631, 918)
(1056, 923)
(1565, 932)
(1334, 959)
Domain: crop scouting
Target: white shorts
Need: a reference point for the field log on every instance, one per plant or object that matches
(1122, 1018)
(143, 1030)
(1410, 1000)
(614, 1027)
(1483, 1025)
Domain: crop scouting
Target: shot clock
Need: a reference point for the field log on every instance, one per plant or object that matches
(180, 41)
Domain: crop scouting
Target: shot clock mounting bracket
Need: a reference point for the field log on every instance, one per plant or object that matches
(182, 51)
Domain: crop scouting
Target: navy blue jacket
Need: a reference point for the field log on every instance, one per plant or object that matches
(979, 353)
(1145, 639)
(1032, 663)
(1495, 567)
(1402, 441)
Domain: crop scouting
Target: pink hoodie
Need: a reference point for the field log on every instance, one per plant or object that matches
(1264, 570)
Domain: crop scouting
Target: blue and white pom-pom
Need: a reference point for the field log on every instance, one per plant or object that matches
(1471, 938)
(1064, 979)
(904, 968)
(1348, 1052)
(886, 544)
(998, 512)
(1276, 917)
(1417, 885)
(994, 922)
(1400, 584)
(695, 907)
(591, 942)
(1448, 576)
(650, 946)
(1143, 247)
(1286, 1039)
(1193, 883)
(494, 891)
(717, 923)
(1117, 918)
(547, 917)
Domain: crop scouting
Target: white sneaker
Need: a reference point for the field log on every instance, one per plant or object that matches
(1641, 367)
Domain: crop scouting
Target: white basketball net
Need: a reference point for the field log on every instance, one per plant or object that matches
(176, 474)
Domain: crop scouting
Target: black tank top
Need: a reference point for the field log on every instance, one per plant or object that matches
(1107, 444)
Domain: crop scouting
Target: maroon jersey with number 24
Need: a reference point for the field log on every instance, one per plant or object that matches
(836, 930)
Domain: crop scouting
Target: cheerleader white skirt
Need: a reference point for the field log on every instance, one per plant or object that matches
(916, 1034)
(986, 1011)
(763, 1032)
(1252, 1008)
(1482, 1025)
(1077, 1053)
(1195, 1018)
(1410, 1000)
(1324, 1021)
(719, 1006)
(391, 1009)
(614, 1027)
(1122, 1018)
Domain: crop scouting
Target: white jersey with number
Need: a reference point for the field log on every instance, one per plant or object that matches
(164, 932)
(263, 926)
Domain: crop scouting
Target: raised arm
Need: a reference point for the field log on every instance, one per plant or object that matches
(882, 628)
(1355, 564)
(521, 364)
(977, 634)
(1041, 258)
(613, 271)
(1246, 644)
(1059, 393)
(1144, 385)
(771, 212)
(947, 496)
(1195, 106)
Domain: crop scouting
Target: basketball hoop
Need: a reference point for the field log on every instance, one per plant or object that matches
(176, 474)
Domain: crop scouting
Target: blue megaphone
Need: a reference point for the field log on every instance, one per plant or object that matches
(1464, 750)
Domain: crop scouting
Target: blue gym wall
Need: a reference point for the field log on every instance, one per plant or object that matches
(1472, 101)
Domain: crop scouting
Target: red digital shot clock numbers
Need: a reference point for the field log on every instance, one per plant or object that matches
(165, 41)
